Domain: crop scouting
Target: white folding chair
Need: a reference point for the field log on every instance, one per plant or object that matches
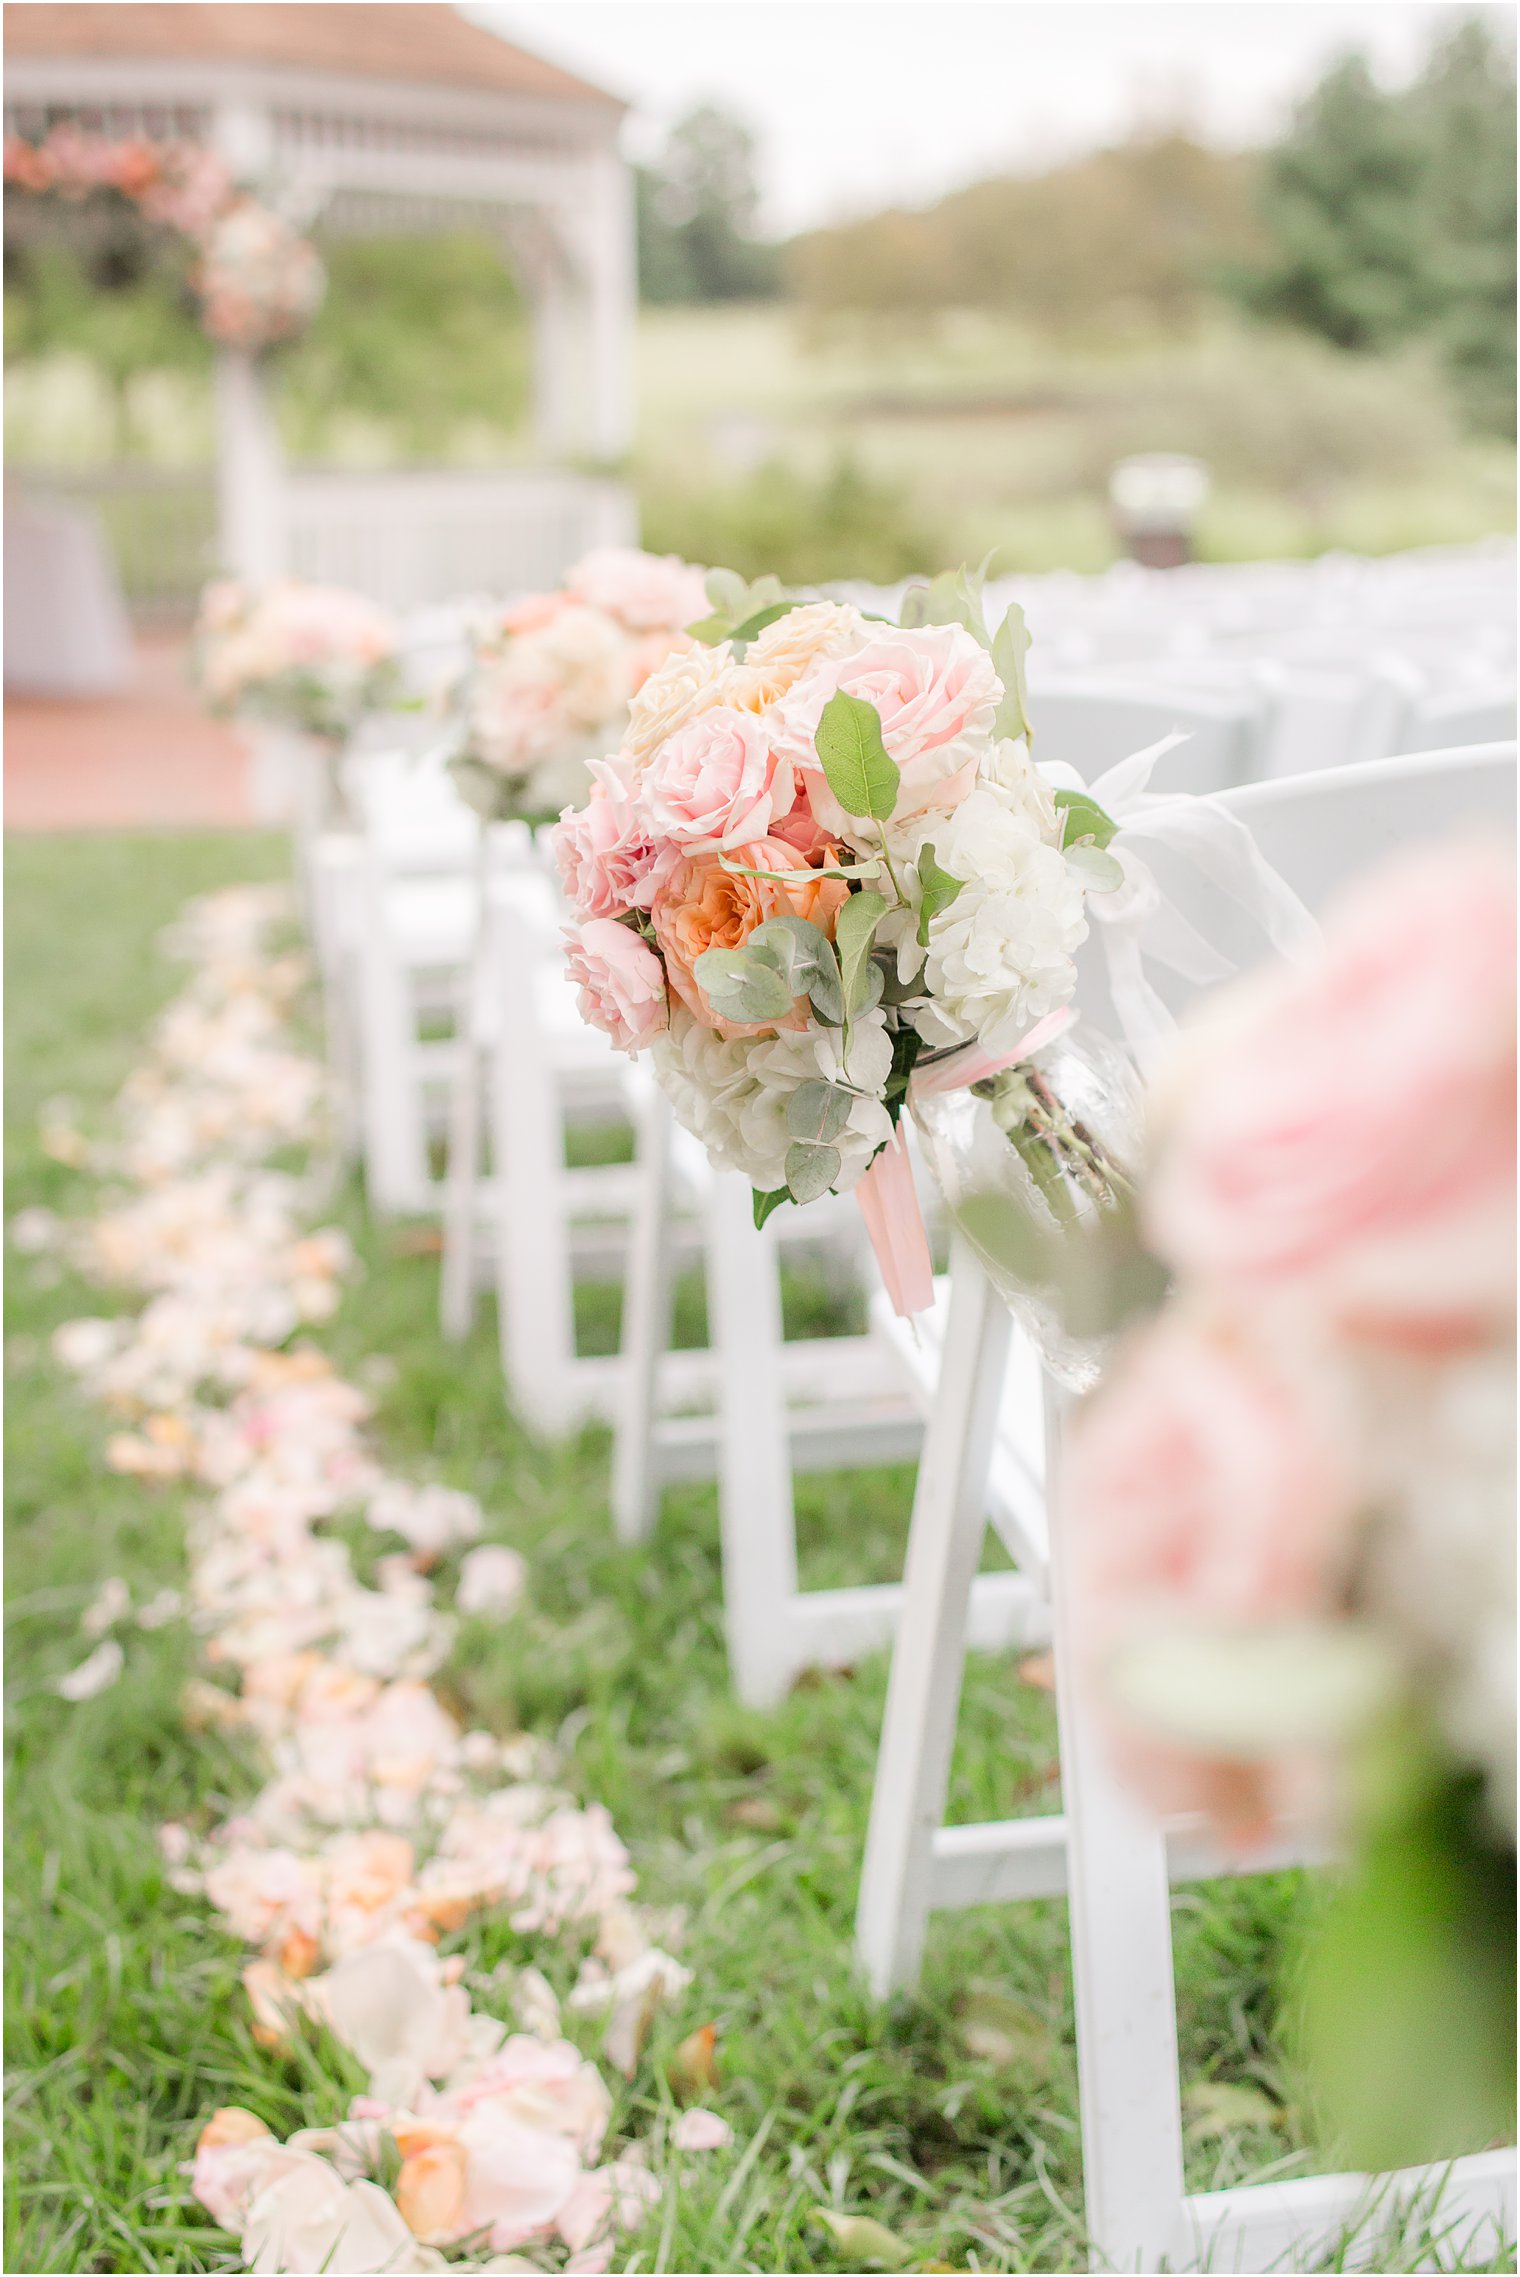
(755, 1408)
(1114, 1862)
(1092, 723)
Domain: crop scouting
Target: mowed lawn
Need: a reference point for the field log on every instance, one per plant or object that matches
(949, 2117)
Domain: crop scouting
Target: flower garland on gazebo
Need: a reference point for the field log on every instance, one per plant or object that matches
(257, 279)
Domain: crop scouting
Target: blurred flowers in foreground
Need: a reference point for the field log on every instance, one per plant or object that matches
(1292, 1500)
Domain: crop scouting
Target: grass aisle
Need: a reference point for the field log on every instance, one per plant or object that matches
(949, 2118)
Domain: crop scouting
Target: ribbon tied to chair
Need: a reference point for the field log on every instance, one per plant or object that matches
(1136, 922)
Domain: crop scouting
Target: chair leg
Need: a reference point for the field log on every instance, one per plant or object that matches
(395, 1152)
(1121, 1958)
(461, 1199)
(923, 1696)
(754, 1457)
(534, 1275)
(647, 1294)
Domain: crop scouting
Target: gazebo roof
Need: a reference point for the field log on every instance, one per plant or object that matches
(397, 41)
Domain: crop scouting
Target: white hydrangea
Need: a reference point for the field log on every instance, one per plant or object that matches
(732, 1094)
(1000, 956)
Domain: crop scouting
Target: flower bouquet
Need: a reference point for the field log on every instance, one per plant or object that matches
(1291, 1504)
(259, 280)
(549, 684)
(312, 659)
(823, 878)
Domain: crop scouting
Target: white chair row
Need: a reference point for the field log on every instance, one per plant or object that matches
(1116, 1866)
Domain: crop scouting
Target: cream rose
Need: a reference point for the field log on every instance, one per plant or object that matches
(689, 682)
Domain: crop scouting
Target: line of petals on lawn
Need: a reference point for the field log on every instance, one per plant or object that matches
(383, 1826)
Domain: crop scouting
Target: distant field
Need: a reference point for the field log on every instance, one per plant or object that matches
(991, 436)
(878, 453)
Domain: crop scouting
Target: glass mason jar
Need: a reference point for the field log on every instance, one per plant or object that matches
(1057, 1137)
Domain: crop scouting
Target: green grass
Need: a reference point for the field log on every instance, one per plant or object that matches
(126, 2025)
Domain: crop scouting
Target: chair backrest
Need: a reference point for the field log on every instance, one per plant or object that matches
(1446, 725)
(1091, 725)
(1318, 831)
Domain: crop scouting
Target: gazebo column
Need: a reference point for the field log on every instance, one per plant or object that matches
(251, 540)
(249, 472)
(612, 289)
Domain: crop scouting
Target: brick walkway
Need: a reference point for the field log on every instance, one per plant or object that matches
(149, 759)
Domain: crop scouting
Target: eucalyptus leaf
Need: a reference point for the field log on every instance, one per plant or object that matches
(818, 1110)
(952, 598)
(1010, 647)
(805, 958)
(937, 889)
(742, 984)
(810, 1170)
(727, 591)
(1099, 872)
(710, 631)
(854, 936)
(859, 770)
(766, 1203)
(1083, 819)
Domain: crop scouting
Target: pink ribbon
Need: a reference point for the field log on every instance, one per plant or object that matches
(887, 1195)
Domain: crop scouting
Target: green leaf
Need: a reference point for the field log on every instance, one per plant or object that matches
(952, 598)
(804, 956)
(728, 593)
(1099, 872)
(1408, 1981)
(810, 1170)
(938, 888)
(1010, 647)
(854, 934)
(1083, 821)
(907, 1043)
(765, 1203)
(860, 2239)
(756, 624)
(818, 1110)
(740, 984)
(1247, 1694)
(710, 631)
(856, 763)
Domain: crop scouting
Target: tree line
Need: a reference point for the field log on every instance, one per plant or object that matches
(1383, 219)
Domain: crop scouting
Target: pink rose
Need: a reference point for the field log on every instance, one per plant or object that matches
(607, 860)
(1347, 1130)
(642, 590)
(621, 982)
(1206, 1484)
(716, 783)
(935, 692)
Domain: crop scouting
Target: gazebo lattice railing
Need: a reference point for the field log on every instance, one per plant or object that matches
(358, 119)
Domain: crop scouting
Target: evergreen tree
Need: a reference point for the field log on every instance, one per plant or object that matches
(697, 212)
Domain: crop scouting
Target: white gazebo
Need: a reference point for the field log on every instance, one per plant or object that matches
(398, 118)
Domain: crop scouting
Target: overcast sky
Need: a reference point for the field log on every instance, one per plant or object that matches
(860, 102)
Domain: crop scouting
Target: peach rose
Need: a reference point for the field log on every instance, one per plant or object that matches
(703, 906)
(1208, 1483)
(622, 986)
(430, 2189)
(716, 784)
(935, 692)
(1348, 1128)
(817, 629)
